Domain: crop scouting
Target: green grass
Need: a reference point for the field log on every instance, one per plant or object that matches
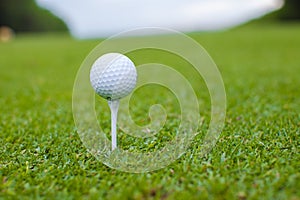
(256, 157)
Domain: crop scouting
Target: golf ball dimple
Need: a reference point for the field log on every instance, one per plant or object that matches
(113, 76)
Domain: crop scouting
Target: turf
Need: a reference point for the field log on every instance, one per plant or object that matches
(256, 157)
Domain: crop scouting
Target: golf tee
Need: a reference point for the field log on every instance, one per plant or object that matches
(114, 106)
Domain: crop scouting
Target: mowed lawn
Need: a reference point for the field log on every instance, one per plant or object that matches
(256, 157)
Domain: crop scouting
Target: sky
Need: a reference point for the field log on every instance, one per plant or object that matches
(104, 18)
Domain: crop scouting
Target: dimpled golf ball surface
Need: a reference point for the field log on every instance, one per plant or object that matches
(113, 76)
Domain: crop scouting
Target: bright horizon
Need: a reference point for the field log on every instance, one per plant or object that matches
(95, 18)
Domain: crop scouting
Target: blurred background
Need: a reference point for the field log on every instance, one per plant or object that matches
(94, 19)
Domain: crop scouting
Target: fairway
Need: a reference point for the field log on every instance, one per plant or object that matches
(256, 157)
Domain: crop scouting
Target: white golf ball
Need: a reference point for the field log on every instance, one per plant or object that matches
(113, 76)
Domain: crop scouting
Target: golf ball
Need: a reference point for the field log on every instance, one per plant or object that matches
(113, 76)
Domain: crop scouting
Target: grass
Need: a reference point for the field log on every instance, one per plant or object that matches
(256, 157)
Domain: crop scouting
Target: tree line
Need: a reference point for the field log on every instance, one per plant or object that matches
(27, 16)
(290, 11)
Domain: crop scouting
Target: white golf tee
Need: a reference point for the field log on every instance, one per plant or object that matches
(114, 106)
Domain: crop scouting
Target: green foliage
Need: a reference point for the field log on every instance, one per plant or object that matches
(256, 157)
(289, 12)
(26, 16)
